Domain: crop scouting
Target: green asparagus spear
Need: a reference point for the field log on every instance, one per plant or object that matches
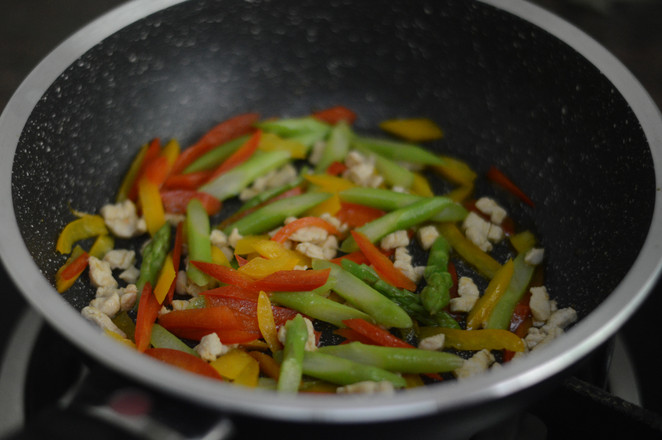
(364, 297)
(199, 244)
(398, 151)
(402, 218)
(274, 214)
(318, 307)
(401, 360)
(504, 308)
(153, 257)
(216, 156)
(393, 173)
(291, 367)
(269, 193)
(388, 200)
(344, 371)
(336, 148)
(162, 338)
(295, 127)
(231, 183)
(435, 295)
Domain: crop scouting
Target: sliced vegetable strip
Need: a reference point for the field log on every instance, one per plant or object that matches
(87, 226)
(485, 264)
(153, 257)
(175, 201)
(376, 334)
(503, 310)
(413, 129)
(399, 151)
(67, 275)
(240, 156)
(481, 311)
(491, 339)
(382, 264)
(291, 369)
(184, 361)
(498, 177)
(318, 307)
(148, 310)
(342, 371)
(293, 280)
(265, 319)
(199, 243)
(333, 115)
(303, 222)
(436, 293)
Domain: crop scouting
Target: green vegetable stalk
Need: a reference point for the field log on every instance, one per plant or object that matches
(342, 371)
(336, 148)
(216, 156)
(199, 244)
(435, 295)
(292, 366)
(318, 307)
(398, 151)
(504, 308)
(153, 257)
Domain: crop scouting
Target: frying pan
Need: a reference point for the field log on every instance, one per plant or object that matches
(511, 85)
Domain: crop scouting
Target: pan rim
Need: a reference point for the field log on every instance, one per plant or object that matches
(511, 379)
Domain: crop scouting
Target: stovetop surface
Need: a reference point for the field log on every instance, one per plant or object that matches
(629, 29)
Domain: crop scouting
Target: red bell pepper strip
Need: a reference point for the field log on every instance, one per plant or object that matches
(351, 335)
(176, 200)
(303, 222)
(293, 280)
(184, 361)
(376, 334)
(157, 170)
(356, 256)
(336, 168)
(225, 274)
(355, 215)
(220, 134)
(248, 308)
(226, 336)
(453, 289)
(231, 291)
(241, 155)
(190, 181)
(72, 269)
(333, 115)
(203, 321)
(152, 153)
(520, 323)
(382, 264)
(496, 176)
(148, 310)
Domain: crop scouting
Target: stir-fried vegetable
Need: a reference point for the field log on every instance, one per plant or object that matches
(346, 272)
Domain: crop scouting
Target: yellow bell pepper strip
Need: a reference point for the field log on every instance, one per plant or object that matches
(413, 129)
(184, 361)
(259, 267)
(330, 206)
(397, 151)
(485, 264)
(318, 307)
(215, 157)
(246, 245)
(131, 174)
(273, 142)
(87, 226)
(67, 275)
(219, 257)
(329, 183)
(477, 317)
(396, 359)
(336, 147)
(102, 245)
(403, 218)
(274, 214)
(152, 205)
(165, 280)
(153, 257)
(199, 243)
(267, 364)
(238, 366)
(291, 368)
(474, 340)
(364, 297)
(232, 182)
(266, 322)
(421, 187)
(503, 310)
(523, 241)
(460, 193)
(119, 338)
(456, 171)
(342, 371)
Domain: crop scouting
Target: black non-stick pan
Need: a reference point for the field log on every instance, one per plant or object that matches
(510, 84)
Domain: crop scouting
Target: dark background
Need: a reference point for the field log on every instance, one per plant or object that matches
(631, 30)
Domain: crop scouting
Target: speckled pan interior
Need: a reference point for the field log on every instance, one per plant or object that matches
(504, 91)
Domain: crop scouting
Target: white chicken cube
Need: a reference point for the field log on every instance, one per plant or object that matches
(534, 256)
(108, 304)
(101, 275)
(395, 240)
(101, 319)
(432, 343)
(130, 275)
(468, 295)
(489, 207)
(122, 219)
(211, 347)
(367, 387)
(120, 258)
(218, 238)
(427, 235)
(541, 308)
(477, 230)
(312, 234)
(311, 250)
(478, 363)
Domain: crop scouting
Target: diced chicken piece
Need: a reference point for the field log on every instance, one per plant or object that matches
(130, 275)
(395, 240)
(128, 297)
(311, 342)
(495, 233)
(120, 258)
(311, 250)
(218, 238)
(174, 219)
(234, 237)
(400, 189)
(101, 275)
(432, 343)
(489, 207)
(122, 219)
(553, 328)
(211, 347)
(101, 319)
(330, 247)
(179, 304)
(340, 226)
(562, 318)
(534, 256)
(108, 303)
(468, 295)
(361, 170)
(316, 152)
(403, 262)
(478, 363)
(367, 387)
(541, 308)
(477, 230)
(427, 235)
(311, 234)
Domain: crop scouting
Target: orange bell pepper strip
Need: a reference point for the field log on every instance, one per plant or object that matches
(355, 215)
(240, 156)
(165, 281)
(153, 151)
(481, 311)
(376, 334)
(336, 168)
(184, 361)
(148, 310)
(85, 227)
(382, 264)
(176, 200)
(71, 270)
(220, 134)
(152, 205)
(303, 222)
(189, 181)
(266, 322)
(267, 364)
(224, 274)
(293, 280)
(200, 322)
(497, 176)
(334, 115)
